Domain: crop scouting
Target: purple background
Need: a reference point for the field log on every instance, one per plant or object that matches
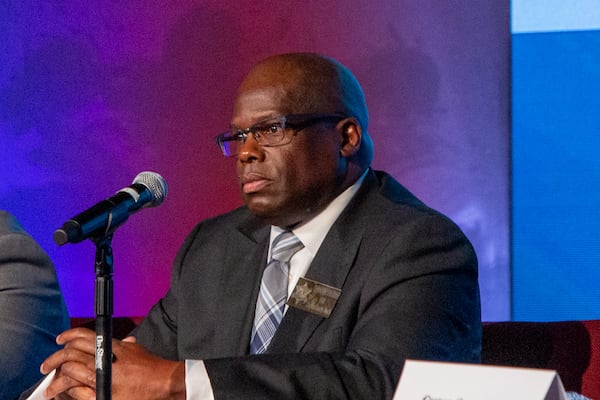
(93, 93)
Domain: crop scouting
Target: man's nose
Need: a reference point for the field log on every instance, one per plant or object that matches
(250, 150)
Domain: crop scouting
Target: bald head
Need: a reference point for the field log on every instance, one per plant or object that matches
(311, 83)
(314, 83)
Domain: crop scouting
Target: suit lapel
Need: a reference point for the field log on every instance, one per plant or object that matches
(240, 284)
(331, 266)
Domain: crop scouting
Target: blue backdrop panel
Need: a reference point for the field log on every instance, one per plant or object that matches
(556, 175)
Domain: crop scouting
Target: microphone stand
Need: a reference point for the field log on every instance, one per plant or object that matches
(104, 313)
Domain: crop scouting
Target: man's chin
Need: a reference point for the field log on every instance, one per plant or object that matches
(269, 214)
(259, 206)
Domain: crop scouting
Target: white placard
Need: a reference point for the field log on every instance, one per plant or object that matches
(427, 380)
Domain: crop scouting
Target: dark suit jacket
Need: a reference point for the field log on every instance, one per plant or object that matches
(409, 289)
(32, 310)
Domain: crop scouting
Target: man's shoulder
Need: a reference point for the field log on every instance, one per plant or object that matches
(387, 203)
(9, 224)
(16, 243)
(384, 192)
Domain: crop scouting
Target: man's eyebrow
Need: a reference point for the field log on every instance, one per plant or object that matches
(266, 118)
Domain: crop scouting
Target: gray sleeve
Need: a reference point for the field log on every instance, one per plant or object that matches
(33, 309)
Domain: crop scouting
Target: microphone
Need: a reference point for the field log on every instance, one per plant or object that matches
(148, 189)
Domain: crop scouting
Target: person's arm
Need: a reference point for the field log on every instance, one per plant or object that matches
(33, 310)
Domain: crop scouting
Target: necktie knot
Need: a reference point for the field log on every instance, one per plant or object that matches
(285, 245)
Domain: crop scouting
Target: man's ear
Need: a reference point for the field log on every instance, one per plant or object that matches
(351, 136)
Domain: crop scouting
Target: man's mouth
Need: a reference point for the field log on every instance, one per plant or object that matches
(252, 183)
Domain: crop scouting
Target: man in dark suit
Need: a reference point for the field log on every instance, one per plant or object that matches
(32, 310)
(378, 278)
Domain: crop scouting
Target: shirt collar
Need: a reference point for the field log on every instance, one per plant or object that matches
(313, 232)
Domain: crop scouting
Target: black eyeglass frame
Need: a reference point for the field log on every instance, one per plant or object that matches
(295, 122)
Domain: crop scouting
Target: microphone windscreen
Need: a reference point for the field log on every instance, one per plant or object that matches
(155, 183)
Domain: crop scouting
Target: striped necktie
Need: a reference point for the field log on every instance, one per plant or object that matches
(273, 291)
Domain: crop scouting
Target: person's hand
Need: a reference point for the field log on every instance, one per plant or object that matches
(136, 373)
(75, 376)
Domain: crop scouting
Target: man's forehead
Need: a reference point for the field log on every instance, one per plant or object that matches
(258, 103)
(271, 74)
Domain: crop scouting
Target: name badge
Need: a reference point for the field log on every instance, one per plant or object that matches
(314, 297)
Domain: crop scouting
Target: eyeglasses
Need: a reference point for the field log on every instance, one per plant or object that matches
(271, 132)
